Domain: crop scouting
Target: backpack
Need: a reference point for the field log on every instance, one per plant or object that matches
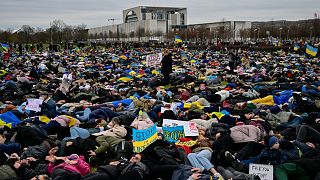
(124, 149)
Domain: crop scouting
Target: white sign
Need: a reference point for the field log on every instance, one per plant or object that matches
(190, 128)
(154, 59)
(265, 172)
(61, 69)
(34, 105)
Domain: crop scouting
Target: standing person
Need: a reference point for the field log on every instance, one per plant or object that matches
(166, 66)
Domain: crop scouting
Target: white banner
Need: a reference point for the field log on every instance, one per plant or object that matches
(153, 59)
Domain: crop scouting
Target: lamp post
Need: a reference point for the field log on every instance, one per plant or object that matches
(280, 29)
(217, 32)
(254, 34)
(311, 28)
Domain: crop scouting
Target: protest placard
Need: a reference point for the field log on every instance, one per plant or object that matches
(153, 59)
(265, 172)
(143, 138)
(172, 134)
(190, 128)
(34, 105)
(186, 143)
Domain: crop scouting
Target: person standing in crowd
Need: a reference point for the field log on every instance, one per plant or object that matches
(166, 66)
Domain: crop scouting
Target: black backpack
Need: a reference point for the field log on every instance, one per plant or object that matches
(123, 150)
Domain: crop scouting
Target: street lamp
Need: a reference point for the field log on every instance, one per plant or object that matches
(310, 32)
(254, 34)
(217, 32)
(280, 33)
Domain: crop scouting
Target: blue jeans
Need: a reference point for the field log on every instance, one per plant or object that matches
(294, 122)
(83, 115)
(201, 159)
(76, 132)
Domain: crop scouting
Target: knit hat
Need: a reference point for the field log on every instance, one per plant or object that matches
(272, 141)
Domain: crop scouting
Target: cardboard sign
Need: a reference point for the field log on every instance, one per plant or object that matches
(172, 134)
(153, 59)
(187, 143)
(61, 69)
(143, 138)
(34, 105)
(190, 128)
(265, 172)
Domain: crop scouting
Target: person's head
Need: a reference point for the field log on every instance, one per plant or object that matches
(273, 143)
(43, 95)
(203, 86)
(41, 177)
(249, 115)
(205, 116)
(2, 138)
(114, 121)
(136, 158)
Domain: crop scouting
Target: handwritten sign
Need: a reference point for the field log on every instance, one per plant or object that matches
(34, 105)
(172, 134)
(143, 138)
(153, 59)
(186, 143)
(190, 128)
(265, 172)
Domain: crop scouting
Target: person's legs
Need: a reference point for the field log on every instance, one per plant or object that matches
(192, 157)
(132, 175)
(165, 154)
(85, 115)
(250, 150)
(104, 145)
(79, 132)
(203, 102)
(307, 132)
(183, 155)
(268, 100)
(294, 122)
(193, 98)
(286, 170)
(204, 158)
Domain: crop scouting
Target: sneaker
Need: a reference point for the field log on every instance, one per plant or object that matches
(235, 163)
(218, 176)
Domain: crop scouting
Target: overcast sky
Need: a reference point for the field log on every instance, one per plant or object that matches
(94, 13)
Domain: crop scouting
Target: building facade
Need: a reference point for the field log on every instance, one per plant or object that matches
(142, 23)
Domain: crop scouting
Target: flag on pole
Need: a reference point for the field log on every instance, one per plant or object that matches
(178, 39)
(311, 50)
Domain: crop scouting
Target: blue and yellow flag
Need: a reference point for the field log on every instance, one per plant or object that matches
(296, 47)
(311, 50)
(178, 39)
(4, 47)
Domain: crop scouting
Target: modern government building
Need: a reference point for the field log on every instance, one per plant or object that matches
(145, 23)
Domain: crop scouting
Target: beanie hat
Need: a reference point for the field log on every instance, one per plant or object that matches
(272, 141)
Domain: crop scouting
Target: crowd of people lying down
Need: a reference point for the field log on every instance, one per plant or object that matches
(248, 107)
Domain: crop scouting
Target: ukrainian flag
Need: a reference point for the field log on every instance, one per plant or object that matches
(178, 39)
(311, 50)
(296, 47)
(4, 47)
